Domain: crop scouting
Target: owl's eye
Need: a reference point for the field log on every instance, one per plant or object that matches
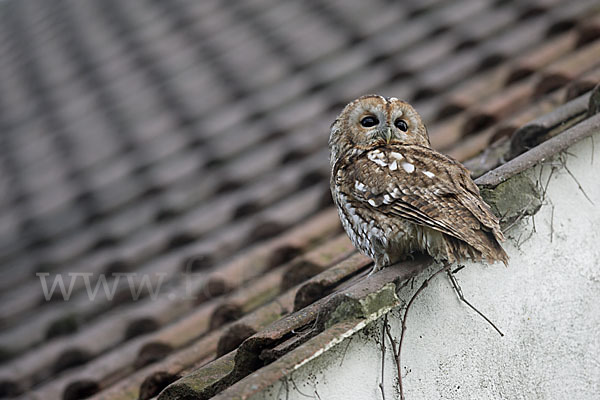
(369, 121)
(401, 124)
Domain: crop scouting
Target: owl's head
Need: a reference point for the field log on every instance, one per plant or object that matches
(375, 120)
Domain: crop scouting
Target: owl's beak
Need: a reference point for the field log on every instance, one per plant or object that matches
(386, 134)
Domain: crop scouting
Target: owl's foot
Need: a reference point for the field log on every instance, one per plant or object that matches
(376, 267)
(461, 296)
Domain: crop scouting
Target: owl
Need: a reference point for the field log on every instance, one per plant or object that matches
(397, 196)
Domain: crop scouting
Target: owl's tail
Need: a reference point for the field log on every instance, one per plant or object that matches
(482, 246)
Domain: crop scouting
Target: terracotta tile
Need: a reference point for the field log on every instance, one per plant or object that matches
(565, 70)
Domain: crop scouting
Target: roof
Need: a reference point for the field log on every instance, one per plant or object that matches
(186, 142)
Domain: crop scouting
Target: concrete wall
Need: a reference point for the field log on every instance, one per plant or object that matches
(547, 302)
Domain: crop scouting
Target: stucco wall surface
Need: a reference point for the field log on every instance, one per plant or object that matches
(547, 303)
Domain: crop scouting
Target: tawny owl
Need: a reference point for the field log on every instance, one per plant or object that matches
(396, 195)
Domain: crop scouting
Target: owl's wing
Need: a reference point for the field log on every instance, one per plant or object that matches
(421, 185)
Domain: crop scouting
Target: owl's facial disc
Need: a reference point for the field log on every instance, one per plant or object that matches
(383, 120)
(374, 120)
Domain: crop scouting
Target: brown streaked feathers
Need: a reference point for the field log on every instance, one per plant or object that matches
(397, 196)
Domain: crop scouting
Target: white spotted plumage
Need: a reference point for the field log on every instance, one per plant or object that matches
(395, 195)
(408, 167)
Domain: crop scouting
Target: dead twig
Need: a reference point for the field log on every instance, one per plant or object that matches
(394, 353)
(517, 245)
(552, 223)
(547, 183)
(519, 217)
(383, 356)
(399, 351)
(298, 390)
(459, 292)
(284, 384)
(520, 243)
(345, 351)
(457, 269)
(578, 184)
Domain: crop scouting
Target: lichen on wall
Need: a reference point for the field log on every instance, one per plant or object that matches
(514, 199)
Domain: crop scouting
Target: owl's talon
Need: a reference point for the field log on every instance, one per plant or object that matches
(373, 270)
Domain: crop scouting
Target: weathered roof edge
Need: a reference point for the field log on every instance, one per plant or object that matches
(343, 312)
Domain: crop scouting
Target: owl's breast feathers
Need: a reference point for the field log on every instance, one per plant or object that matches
(417, 184)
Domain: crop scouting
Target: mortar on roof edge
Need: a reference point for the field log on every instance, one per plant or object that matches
(202, 383)
(514, 198)
(374, 304)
